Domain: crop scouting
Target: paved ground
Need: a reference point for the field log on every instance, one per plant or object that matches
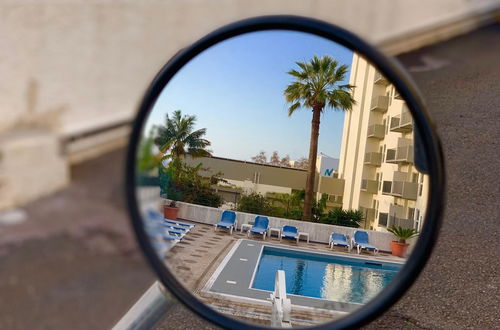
(74, 264)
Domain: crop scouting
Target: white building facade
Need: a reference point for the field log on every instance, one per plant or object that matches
(376, 159)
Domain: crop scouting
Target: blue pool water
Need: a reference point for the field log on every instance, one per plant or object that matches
(324, 276)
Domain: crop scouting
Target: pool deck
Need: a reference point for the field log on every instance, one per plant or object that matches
(196, 260)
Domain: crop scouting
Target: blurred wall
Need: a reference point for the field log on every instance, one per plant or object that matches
(77, 65)
(73, 71)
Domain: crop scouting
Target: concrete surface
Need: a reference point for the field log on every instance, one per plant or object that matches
(458, 289)
(74, 264)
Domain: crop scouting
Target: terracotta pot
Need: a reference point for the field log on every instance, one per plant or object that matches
(170, 212)
(399, 249)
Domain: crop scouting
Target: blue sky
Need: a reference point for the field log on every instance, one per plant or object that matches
(235, 89)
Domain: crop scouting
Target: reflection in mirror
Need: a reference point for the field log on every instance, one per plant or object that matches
(276, 179)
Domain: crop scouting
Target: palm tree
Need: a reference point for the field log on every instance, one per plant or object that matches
(317, 85)
(177, 138)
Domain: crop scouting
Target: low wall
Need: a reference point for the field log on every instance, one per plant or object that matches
(318, 232)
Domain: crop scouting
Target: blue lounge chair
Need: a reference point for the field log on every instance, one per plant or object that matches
(227, 221)
(260, 226)
(170, 224)
(178, 223)
(158, 232)
(290, 232)
(360, 241)
(337, 239)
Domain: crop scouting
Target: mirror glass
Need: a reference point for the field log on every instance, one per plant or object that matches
(276, 179)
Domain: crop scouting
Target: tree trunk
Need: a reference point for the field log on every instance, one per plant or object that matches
(311, 171)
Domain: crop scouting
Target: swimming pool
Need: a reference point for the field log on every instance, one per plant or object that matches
(335, 278)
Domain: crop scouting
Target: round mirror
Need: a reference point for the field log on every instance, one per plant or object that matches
(283, 173)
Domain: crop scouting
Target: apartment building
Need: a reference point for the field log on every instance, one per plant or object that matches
(376, 159)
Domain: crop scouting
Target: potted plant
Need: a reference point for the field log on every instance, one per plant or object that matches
(400, 246)
(170, 210)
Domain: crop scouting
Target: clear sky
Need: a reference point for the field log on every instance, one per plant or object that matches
(235, 89)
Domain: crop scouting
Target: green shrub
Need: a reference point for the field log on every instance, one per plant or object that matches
(403, 233)
(187, 185)
(339, 217)
(254, 203)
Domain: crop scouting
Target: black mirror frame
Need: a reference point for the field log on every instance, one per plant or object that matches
(428, 138)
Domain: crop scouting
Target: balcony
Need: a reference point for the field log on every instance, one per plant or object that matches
(379, 103)
(401, 189)
(380, 79)
(334, 201)
(397, 217)
(331, 186)
(373, 158)
(376, 131)
(402, 123)
(368, 213)
(400, 222)
(369, 186)
(400, 155)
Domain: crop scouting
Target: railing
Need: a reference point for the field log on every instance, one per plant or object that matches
(379, 103)
(376, 131)
(368, 213)
(373, 158)
(402, 123)
(400, 222)
(399, 155)
(402, 189)
(281, 305)
(369, 186)
(380, 79)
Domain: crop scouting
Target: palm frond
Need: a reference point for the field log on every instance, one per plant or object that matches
(317, 84)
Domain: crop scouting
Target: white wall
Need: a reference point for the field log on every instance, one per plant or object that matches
(318, 232)
(92, 60)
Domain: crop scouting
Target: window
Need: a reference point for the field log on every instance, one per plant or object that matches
(411, 213)
(382, 219)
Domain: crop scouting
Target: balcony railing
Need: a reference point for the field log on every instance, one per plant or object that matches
(368, 213)
(380, 79)
(399, 155)
(402, 123)
(401, 189)
(369, 186)
(399, 222)
(376, 131)
(373, 158)
(379, 103)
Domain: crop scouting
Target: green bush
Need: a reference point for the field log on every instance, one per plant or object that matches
(187, 185)
(339, 217)
(254, 203)
(402, 233)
